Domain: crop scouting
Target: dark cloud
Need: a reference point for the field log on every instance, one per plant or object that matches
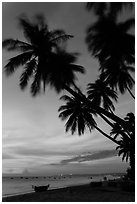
(8, 156)
(91, 156)
(39, 152)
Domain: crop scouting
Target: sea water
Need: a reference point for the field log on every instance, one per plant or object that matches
(19, 185)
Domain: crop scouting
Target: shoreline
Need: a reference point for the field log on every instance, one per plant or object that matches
(77, 193)
(29, 192)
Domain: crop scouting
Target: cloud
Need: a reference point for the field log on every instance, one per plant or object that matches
(36, 151)
(7, 156)
(90, 156)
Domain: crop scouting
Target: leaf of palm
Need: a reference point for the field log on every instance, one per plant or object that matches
(117, 75)
(116, 7)
(67, 98)
(99, 93)
(127, 25)
(28, 28)
(69, 124)
(65, 114)
(11, 45)
(36, 84)
(98, 8)
(17, 61)
(107, 103)
(59, 36)
(116, 130)
(125, 81)
(105, 36)
(62, 71)
(79, 115)
(27, 73)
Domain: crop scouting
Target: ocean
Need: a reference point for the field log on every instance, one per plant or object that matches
(20, 185)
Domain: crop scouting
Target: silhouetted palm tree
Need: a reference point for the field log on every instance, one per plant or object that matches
(124, 149)
(127, 144)
(130, 118)
(117, 75)
(127, 150)
(114, 46)
(41, 56)
(117, 129)
(101, 94)
(79, 117)
(45, 63)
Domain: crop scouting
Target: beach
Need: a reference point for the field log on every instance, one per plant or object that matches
(80, 193)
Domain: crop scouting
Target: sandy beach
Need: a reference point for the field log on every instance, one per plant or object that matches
(82, 193)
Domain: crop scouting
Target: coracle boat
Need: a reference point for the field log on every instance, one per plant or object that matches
(40, 188)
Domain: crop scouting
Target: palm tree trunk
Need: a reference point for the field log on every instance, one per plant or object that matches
(132, 159)
(99, 109)
(112, 125)
(131, 93)
(103, 133)
(106, 120)
(132, 165)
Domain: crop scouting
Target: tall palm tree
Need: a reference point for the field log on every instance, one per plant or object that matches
(127, 150)
(41, 56)
(114, 46)
(79, 117)
(101, 94)
(127, 144)
(124, 149)
(45, 63)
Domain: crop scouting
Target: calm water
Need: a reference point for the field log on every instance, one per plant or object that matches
(17, 185)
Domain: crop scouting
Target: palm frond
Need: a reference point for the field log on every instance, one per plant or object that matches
(98, 8)
(17, 61)
(17, 45)
(69, 123)
(116, 7)
(36, 85)
(27, 73)
(127, 25)
(27, 27)
(61, 38)
(78, 68)
(65, 114)
(67, 98)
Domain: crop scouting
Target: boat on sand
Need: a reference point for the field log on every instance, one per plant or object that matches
(40, 188)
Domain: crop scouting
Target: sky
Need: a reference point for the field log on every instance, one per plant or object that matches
(34, 140)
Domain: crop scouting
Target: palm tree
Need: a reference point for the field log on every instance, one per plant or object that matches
(127, 144)
(45, 63)
(114, 46)
(124, 149)
(127, 150)
(130, 118)
(41, 56)
(101, 94)
(79, 117)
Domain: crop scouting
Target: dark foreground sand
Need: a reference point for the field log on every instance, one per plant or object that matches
(83, 193)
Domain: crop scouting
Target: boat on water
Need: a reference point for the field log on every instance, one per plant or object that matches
(40, 188)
